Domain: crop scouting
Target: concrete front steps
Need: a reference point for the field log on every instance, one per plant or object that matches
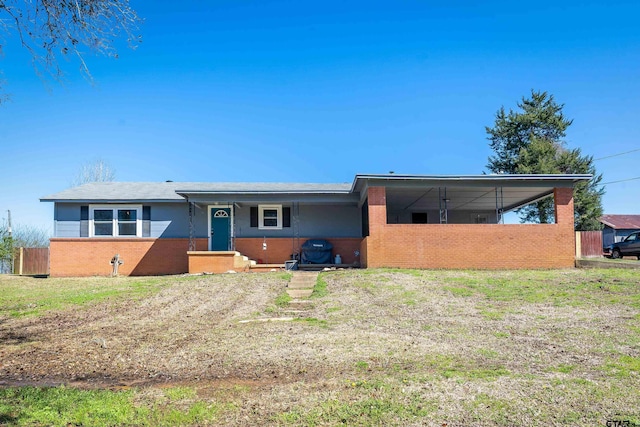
(299, 289)
(265, 268)
(301, 285)
(218, 262)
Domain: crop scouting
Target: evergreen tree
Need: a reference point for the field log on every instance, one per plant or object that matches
(531, 142)
(541, 118)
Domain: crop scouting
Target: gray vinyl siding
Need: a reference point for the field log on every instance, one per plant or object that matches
(67, 228)
(330, 221)
(314, 221)
(168, 220)
(67, 211)
(171, 220)
(66, 218)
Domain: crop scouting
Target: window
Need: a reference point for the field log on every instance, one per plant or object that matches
(270, 217)
(115, 221)
(284, 213)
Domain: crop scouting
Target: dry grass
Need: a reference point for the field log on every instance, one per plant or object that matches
(377, 347)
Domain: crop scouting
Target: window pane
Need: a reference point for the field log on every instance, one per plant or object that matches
(103, 229)
(270, 222)
(127, 214)
(270, 213)
(127, 229)
(103, 214)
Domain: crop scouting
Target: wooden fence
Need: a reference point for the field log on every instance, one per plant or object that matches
(31, 261)
(588, 244)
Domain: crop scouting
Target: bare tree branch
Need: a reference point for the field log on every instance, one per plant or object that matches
(52, 29)
(96, 171)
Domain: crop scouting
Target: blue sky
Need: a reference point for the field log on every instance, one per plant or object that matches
(301, 92)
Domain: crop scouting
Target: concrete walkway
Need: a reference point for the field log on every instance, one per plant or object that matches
(607, 263)
(301, 285)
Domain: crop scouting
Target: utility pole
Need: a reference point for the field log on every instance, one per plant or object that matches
(10, 240)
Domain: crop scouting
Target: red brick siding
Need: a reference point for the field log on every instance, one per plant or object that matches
(493, 246)
(564, 206)
(483, 246)
(280, 249)
(377, 208)
(363, 252)
(91, 256)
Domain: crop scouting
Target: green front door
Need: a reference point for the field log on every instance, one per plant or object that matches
(220, 229)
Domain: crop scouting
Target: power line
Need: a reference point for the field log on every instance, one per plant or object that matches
(622, 180)
(616, 155)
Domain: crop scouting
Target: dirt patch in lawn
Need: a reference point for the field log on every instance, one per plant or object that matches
(187, 331)
(467, 348)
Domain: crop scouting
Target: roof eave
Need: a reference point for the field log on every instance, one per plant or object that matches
(176, 200)
(574, 178)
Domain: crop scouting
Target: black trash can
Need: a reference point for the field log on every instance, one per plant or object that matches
(316, 251)
(291, 264)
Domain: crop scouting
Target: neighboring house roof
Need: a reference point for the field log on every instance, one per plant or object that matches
(620, 222)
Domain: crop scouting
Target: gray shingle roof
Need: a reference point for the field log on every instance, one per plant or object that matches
(170, 191)
(173, 191)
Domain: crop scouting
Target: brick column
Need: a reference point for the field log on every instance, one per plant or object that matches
(377, 208)
(563, 198)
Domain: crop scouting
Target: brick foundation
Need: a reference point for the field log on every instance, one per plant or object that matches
(91, 256)
(280, 249)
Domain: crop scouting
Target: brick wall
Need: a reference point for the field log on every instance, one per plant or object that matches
(280, 249)
(212, 262)
(482, 246)
(91, 256)
(363, 252)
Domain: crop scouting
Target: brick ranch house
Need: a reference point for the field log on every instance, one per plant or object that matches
(388, 220)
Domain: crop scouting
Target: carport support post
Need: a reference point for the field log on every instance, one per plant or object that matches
(563, 206)
(444, 212)
(192, 240)
(377, 208)
(499, 206)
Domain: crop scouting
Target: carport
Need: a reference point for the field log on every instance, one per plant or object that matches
(431, 221)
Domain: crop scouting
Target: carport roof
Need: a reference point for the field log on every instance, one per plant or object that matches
(465, 192)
